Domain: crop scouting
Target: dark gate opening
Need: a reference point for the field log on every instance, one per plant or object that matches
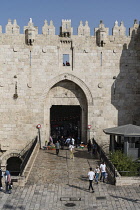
(13, 165)
(65, 121)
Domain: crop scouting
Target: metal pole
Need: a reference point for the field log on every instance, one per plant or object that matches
(39, 137)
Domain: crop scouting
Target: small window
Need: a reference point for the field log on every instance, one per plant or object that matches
(66, 60)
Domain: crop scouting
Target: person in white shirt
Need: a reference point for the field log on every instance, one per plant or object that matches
(73, 141)
(91, 176)
(71, 147)
(103, 171)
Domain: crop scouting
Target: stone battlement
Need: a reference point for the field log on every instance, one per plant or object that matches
(101, 33)
(83, 30)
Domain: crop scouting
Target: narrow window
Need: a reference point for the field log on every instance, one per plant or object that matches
(102, 43)
(66, 60)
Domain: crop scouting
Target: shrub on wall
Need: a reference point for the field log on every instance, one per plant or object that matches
(124, 164)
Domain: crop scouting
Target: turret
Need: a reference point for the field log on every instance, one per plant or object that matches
(133, 30)
(101, 34)
(66, 30)
(30, 32)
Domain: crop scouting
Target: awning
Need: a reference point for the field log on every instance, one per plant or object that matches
(124, 130)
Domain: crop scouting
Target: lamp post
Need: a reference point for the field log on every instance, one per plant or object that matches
(38, 127)
(89, 126)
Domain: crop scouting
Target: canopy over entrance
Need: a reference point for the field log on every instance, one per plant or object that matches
(124, 130)
(125, 138)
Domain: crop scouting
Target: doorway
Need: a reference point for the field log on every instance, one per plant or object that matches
(13, 165)
(65, 120)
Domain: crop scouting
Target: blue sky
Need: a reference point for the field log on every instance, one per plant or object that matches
(91, 10)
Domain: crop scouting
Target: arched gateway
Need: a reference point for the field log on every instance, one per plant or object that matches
(67, 100)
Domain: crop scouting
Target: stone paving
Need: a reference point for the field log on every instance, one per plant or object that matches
(60, 183)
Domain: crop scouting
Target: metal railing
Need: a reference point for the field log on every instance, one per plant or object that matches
(112, 172)
(27, 156)
(26, 148)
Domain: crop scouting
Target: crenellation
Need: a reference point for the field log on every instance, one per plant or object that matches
(83, 30)
(48, 29)
(16, 28)
(9, 27)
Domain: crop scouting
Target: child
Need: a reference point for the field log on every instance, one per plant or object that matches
(97, 172)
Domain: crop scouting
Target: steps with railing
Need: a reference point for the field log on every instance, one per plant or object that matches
(112, 172)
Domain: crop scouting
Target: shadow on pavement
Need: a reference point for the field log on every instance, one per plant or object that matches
(128, 199)
(80, 188)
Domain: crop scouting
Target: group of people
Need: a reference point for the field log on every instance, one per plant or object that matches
(67, 63)
(69, 143)
(99, 172)
(8, 182)
(92, 147)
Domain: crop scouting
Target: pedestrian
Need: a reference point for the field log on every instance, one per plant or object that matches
(67, 141)
(8, 186)
(71, 147)
(94, 149)
(91, 176)
(89, 145)
(97, 173)
(103, 171)
(57, 146)
(62, 142)
(72, 141)
(50, 141)
(1, 176)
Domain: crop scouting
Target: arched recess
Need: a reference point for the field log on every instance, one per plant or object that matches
(13, 165)
(66, 89)
(7, 155)
(74, 79)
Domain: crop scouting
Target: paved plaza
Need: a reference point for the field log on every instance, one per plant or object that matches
(60, 183)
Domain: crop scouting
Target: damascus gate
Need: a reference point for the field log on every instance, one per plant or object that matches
(69, 84)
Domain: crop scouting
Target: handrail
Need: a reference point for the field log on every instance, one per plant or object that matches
(28, 155)
(111, 168)
(25, 148)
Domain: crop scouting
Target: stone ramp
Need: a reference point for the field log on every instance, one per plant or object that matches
(50, 168)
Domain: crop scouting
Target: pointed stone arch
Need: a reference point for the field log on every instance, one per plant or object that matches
(74, 79)
(86, 105)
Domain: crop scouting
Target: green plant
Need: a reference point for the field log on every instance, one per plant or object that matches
(124, 164)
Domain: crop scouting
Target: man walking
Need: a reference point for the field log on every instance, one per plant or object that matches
(91, 176)
(103, 171)
(57, 146)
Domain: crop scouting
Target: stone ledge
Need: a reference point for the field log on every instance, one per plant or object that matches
(124, 180)
(23, 179)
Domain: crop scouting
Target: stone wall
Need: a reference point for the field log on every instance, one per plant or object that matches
(103, 78)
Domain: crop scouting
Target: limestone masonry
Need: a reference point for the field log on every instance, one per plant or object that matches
(102, 77)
